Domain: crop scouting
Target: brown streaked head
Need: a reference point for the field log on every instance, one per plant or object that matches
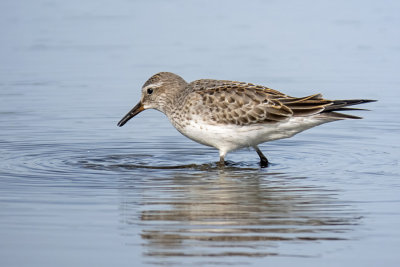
(158, 92)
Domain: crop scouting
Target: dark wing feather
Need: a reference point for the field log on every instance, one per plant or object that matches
(306, 106)
(314, 104)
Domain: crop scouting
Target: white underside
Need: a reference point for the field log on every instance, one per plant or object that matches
(231, 137)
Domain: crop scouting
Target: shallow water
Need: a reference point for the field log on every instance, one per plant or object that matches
(77, 190)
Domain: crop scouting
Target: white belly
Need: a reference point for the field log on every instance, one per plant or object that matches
(231, 137)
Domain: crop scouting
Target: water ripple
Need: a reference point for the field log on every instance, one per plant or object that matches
(186, 206)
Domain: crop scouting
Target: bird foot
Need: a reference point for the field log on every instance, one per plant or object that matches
(221, 164)
(264, 163)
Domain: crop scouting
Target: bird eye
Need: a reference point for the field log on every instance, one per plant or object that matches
(150, 91)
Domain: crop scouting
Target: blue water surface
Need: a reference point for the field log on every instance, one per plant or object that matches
(76, 190)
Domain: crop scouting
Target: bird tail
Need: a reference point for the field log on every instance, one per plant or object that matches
(342, 105)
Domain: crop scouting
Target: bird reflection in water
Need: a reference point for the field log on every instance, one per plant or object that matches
(235, 213)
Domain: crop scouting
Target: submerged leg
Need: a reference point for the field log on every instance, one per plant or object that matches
(221, 159)
(263, 159)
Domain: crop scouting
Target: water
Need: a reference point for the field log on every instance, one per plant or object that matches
(77, 190)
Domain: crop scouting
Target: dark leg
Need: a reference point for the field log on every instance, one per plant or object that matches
(263, 159)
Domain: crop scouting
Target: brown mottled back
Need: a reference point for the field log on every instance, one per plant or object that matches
(239, 103)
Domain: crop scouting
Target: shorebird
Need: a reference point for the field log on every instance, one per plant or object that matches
(231, 115)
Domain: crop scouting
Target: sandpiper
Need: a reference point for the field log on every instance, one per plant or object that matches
(230, 115)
